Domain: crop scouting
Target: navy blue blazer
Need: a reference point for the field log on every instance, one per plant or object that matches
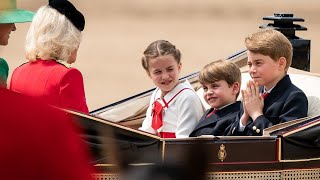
(284, 103)
(218, 124)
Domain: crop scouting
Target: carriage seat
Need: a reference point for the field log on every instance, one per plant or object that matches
(309, 84)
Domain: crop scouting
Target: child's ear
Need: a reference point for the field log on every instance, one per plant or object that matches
(235, 88)
(148, 74)
(179, 66)
(282, 62)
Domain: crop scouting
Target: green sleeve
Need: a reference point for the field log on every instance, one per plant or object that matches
(4, 70)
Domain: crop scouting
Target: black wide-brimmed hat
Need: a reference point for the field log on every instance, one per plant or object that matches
(67, 8)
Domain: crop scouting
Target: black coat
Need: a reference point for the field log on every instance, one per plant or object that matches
(219, 123)
(284, 103)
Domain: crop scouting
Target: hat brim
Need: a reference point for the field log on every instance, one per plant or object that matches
(15, 16)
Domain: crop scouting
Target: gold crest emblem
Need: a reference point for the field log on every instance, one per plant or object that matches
(222, 153)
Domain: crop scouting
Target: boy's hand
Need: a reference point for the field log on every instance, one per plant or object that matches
(253, 101)
(245, 116)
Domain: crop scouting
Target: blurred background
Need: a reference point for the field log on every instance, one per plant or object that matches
(118, 31)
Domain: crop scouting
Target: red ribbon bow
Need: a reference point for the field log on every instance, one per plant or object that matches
(157, 115)
(157, 111)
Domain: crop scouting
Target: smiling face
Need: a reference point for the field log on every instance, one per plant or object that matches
(264, 70)
(5, 30)
(164, 72)
(219, 93)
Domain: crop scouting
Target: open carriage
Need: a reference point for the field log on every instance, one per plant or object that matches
(286, 151)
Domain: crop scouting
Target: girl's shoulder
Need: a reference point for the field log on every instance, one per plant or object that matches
(188, 93)
(183, 90)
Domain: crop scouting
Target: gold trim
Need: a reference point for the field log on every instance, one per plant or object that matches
(284, 125)
(244, 172)
(222, 153)
(290, 174)
(229, 172)
(302, 128)
(300, 160)
(110, 123)
(105, 165)
(132, 164)
(163, 149)
(283, 170)
(144, 164)
(301, 169)
(279, 149)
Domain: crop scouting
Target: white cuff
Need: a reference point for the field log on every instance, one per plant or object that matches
(241, 126)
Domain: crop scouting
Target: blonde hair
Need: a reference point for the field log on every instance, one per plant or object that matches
(159, 48)
(220, 70)
(51, 36)
(270, 43)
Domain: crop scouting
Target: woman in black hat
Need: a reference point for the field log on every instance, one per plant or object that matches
(51, 47)
(37, 141)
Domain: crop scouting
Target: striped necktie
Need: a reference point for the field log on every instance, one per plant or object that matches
(265, 95)
(212, 112)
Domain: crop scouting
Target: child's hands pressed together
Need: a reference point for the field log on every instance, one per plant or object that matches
(252, 100)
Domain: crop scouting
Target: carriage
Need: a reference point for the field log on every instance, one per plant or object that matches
(286, 151)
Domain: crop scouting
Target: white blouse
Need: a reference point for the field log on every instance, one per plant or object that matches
(182, 114)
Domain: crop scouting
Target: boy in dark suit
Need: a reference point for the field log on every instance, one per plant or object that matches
(221, 82)
(270, 97)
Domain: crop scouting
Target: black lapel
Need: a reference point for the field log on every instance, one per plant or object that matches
(204, 121)
(277, 92)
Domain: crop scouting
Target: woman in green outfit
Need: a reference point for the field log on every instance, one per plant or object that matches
(9, 15)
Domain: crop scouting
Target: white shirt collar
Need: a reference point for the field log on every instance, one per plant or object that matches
(264, 89)
(223, 106)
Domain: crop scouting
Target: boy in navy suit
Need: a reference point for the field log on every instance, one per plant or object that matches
(270, 97)
(221, 82)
